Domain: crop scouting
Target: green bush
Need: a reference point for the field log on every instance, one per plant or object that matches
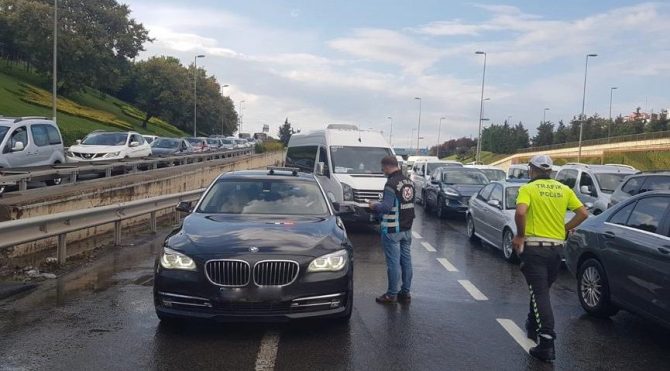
(139, 115)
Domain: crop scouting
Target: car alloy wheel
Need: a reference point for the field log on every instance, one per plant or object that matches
(507, 248)
(591, 287)
(471, 228)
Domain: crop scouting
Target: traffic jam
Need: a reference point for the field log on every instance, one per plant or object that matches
(349, 256)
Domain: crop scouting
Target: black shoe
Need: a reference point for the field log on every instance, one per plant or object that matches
(531, 330)
(405, 297)
(386, 299)
(544, 351)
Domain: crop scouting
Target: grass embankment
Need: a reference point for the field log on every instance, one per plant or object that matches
(641, 160)
(22, 93)
(487, 157)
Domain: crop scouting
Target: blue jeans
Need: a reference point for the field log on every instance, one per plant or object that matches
(398, 260)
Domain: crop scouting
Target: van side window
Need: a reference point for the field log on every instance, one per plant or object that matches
(19, 135)
(586, 180)
(302, 157)
(568, 177)
(40, 135)
(54, 136)
(323, 157)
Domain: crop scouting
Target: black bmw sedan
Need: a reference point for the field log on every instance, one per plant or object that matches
(258, 245)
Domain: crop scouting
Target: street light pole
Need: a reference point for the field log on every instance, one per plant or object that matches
(481, 110)
(223, 109)
(418, 130)
(195, 94)
(439, 131)
(544, 116)
(581, 117)
(609, 123)
(54, 77)
(240, 119)
(391, 133)
(411, 139)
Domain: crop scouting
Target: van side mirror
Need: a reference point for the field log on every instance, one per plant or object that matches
(320, 169)
(18, 146)
(78, 141)
(336, 206)
(185, 206)
(585, 190)
(134, 144)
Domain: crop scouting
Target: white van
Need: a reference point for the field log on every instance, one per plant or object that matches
(347, 163)
(409, 164)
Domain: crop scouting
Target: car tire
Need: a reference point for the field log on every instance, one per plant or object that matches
(439, 209)
(593, 290)
(507, 249)
(597, 212)
(2, 190)
(470, 227)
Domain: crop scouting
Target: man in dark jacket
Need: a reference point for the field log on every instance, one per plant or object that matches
(396, 211)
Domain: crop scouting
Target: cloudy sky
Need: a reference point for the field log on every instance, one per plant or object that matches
(356, 61)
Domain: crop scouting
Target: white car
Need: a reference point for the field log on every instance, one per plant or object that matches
(109, 146)
(492, 172)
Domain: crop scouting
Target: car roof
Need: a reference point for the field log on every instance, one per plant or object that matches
(484, 167)
(611, 168)
(652, 172)
(265, 174)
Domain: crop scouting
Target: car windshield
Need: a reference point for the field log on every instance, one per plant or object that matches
(105, 139)
(194, 141)
(264, 196)
(434, 165)
(3, 132)
(511, 194)
(358, 160)
(227, 141)
(609, 182)
(494, 174)
(213, 142)
(165, 143)
(462, 176)
(240, 141)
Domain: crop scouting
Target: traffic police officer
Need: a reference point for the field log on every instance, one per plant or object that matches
(397, 215)
(540, 216)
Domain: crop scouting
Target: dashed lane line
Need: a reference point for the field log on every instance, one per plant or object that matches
(267, 354)
(472, 290)
(416, 235)
(448, 266)
(428, 246)
(516, 333)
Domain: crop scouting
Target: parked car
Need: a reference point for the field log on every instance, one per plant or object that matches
(594, 184)
(214, 144)
(494, 173)
(199, 144)
(30, 141)
(621, 259)
(227, 143)
(170, 146)
(258, 245)
(109, 146)
(409, 164)
(641, 183)
(421, 171)
(149, 138)
(450, 189)
(490, 216)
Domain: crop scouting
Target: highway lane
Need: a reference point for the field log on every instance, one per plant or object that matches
(466, 308)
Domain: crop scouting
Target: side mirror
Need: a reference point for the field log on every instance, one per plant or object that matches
(78, 141)
(134, 144)
(495, 203)
(18, 146)
(321, 169)
(336, 206)
(185, 207)
(589, 205)
(585, 190)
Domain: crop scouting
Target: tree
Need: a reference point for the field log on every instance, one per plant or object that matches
(545, 134)
(285, 132)
(562, 133)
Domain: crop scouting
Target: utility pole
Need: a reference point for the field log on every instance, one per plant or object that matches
(418, 130)
(439, 131)
(478, 155)
(195, 94)
(54, 77)
(581, 117)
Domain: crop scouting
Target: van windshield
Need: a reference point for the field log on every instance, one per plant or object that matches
(358, 160)
(3, 132)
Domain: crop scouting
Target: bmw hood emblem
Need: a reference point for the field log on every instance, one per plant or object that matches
(253, 249)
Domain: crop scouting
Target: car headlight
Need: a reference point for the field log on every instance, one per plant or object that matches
(347, 192)
(175, 260)
(334, 262)
(112, 154)
(451, 192)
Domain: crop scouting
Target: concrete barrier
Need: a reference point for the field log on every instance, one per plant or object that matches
(109, 191)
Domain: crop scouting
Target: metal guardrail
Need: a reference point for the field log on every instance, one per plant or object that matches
(70, 172)
(16, 232)
(595, 142)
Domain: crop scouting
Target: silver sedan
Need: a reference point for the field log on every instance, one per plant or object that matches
(490, 216)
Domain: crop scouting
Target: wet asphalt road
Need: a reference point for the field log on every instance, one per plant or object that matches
(102, 317)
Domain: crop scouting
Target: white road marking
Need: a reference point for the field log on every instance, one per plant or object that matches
(472, 290)
(516, 333)
(428, 246)
(267, 354)
(448, 266)
(416, 235)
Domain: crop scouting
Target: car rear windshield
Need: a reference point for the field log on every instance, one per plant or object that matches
(165, 143)
(3, 132)
(358, 160)
(434, 165)
(462, 176)
(609, 182)
(195, 141)
(105, 139)
(494, 174)
(511, 194)
(264, 196)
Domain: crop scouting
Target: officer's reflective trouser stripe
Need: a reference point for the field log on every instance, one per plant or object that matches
(536, 312)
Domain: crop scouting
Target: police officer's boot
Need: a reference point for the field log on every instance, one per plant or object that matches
(531, 330)
(544, 351)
